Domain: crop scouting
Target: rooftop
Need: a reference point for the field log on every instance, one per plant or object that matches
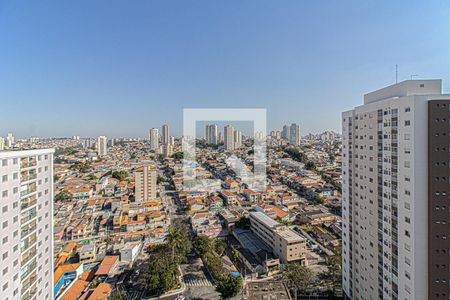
(265, 219)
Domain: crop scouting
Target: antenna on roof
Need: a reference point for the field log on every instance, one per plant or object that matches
(412, 76)
(396, 73)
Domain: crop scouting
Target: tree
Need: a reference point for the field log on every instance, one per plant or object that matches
(214, 264)
(179, 243)
(235, 253)
(219, 247)
(202, 245)
(310, 165)
(228, 286)
(162, 271)
(117, 295)
(334, 270)
(178, 155)
(92, 177)
(298, 277)
(243, 223)
(63, 196)
(120, 175)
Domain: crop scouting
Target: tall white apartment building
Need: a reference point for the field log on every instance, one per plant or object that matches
(2, 143)
(395, 194)
(26, 211)
(102, 145)
(165, 136)
(228, 137)
(211, 134)
(10, 140)
(154, 138)
(237, 139)
(294, 134)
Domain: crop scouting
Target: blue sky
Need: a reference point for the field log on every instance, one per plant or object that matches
(121, 67)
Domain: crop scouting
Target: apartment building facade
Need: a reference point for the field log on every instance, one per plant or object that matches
(145, 185)
(393, 150)
(26, 196)
(286, 244)
(102, 145)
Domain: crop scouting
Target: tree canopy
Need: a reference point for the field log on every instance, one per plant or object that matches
(297, 276)
(228, 286)
(120, 175)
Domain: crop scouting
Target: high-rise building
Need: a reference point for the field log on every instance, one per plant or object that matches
(286, 133)
(395, 189)
(172, 140)
(228, 137)
(211, 134)
(294, 131)
(237, 139)
(2, 143)
(10, 140)
(165, 135)
(102, 145)
(154, 138)
(26, 211)
(167, 150)
(145, 185)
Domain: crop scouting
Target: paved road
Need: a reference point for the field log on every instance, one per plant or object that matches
(198, 284)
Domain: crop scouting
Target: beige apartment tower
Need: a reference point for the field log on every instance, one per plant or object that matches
(145, 185)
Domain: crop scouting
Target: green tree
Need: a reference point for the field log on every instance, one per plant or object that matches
(117, 295)
(92, 177)
(162, 271)
(179, 243)
(63, 196)
(235, 253)
(120, 175)
(297, 277)
(334, 270)
(228, 286)
(219, 246)
(178, 155)
(214, 264)
(202, 245)
(243, 223)
(310, 165)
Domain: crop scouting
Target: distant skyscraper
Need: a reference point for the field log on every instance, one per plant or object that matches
(2, 143)
(219, 137)
(395, 194)
(102, 145)
(165, 135)
(237, 139)
(154, 138)
(172, 140)
(211, 134)
(26, 224)
(294, 135)
(286, 133)
(10, 140)
(228, 137)
(145, 185)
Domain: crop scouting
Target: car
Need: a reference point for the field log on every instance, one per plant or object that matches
(180, 297)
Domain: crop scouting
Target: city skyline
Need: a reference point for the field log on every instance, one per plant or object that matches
(76, 72)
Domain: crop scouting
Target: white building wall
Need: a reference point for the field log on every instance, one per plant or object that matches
(12, 267)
